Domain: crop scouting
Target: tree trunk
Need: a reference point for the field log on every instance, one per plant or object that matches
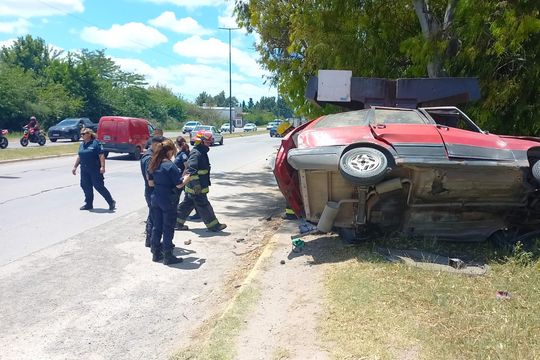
(432, 31)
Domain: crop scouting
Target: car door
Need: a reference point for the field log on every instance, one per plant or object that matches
(463, 139)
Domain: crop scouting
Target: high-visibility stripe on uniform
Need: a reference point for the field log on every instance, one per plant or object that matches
(211, 223)
(202, 172)
(190, 190)
(194, 177)
(289, 211)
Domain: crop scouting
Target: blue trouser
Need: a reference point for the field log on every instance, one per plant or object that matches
(147, 196)
(163, 212)
(201, 204)
(94, 179)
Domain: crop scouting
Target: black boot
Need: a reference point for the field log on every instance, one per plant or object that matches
(157, 255)
(169, 258)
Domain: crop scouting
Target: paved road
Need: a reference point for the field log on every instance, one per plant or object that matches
(14, 143)
(40, 199)
(81, 285)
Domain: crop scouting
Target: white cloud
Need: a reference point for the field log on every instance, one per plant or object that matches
(214, 51)
(7, 43)
(191, 4)
(227, 18)
(188, 25)
(131, 36)
(18, 27)
(190, 80)
(36, 8)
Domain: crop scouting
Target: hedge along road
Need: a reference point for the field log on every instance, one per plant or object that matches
(80, 284)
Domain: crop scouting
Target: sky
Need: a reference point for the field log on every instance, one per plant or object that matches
(176, 43)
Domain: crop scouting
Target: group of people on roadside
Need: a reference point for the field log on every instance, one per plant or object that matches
(168, 168)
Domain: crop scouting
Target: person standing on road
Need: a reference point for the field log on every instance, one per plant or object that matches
(166, 179)
(145, 161)
(92, 161)
(196, 190)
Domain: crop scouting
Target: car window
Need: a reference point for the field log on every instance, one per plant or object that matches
(390, 116)
(66, 122)
(452, 118)
(349, 118)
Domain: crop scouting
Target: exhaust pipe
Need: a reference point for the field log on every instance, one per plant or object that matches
(326, 221)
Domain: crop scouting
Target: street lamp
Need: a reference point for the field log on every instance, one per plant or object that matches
(230, 80)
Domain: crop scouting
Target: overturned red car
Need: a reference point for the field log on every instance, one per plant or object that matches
(427, 171)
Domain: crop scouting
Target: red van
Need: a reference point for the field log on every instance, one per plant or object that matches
(121, 134)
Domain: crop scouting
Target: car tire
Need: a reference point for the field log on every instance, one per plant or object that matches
(53, 140)
(136, 155)
(364, 166)
(75, 137)
(221, 141)
(536, 171)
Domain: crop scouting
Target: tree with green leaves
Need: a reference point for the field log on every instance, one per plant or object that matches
(498, 42)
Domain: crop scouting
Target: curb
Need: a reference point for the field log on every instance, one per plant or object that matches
(36, 158)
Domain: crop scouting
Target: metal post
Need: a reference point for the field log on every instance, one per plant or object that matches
(230, 79)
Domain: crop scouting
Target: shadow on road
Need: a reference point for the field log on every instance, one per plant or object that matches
(257, 201)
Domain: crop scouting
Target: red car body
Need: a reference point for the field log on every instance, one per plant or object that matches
(427, 171)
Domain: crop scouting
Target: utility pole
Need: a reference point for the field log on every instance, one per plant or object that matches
(230, 79)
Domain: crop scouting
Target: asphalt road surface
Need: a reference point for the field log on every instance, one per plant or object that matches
(40, 199)
(81, 285)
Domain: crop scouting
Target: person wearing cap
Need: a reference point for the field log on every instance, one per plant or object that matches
(198, 167)
(92, 160)
(145, 161)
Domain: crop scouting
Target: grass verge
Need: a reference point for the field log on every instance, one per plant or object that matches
(220, 344)
(38, 152)
(380, 310)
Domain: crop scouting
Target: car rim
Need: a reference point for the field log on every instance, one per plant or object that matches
(364, 162)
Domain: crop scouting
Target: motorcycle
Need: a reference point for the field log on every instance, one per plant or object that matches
(3, 139)
(33, 135)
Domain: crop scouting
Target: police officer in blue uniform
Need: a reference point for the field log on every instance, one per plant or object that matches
(145, 161)
(196, 190)
(92, 161)
(166, 179)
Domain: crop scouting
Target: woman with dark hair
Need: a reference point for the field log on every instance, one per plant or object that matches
(183, 153)
(92, 161)
(166, 179)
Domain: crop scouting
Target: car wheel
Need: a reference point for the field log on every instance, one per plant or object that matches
(75, 137)
(221, 141)
(363, 166)
(53, 140)
(136, 155)
(536, 170)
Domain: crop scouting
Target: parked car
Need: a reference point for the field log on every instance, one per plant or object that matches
(218, 136)
(225, 128)
(428, 172)
(70, 128)
(124, 135)
(188, 127)
(250, 127)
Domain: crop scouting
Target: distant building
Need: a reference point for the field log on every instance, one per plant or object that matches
(222, 112)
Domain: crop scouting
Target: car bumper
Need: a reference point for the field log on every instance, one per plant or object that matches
(60, 134)
(119, 147)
